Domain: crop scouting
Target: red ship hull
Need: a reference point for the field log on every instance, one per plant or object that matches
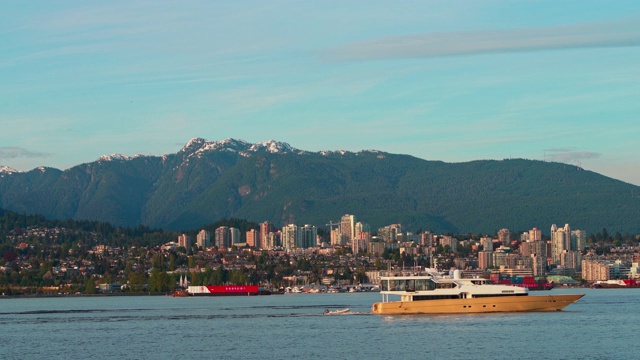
(223, 290)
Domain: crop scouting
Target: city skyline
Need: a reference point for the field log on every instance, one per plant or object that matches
(445, 81)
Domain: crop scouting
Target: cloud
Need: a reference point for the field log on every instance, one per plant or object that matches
(587, 35)
(567, 155)
(14, 152)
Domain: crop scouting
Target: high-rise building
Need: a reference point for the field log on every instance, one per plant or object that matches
(223, 237)
(390, 233)
(538, 248)
(535, 234)
(347, 229)
(336, 239)
(299, 237)
(426, 238)
(203, 239)
(449, 241)
(487, 243)
(571, 260)
(485, 259)
(265, 229)
(361, 228)
(578, 240)
(595, 270)
(289, 237)
(560, 242)
(272, 241)
(362, 238)
(499, 257)
(234, 236)
(308, 236)
(504, 236)
(539, 264)
(252, 237)
(377, 247)
(183, 240)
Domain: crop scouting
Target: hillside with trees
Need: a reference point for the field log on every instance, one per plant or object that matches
(208, 181)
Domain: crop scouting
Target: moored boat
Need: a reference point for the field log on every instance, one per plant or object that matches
(224, 290)
(616, 284)
(428, 292)
(180, 293)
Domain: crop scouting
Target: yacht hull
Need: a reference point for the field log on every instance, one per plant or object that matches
(477, 305)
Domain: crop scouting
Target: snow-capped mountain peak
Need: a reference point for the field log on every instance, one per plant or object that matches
(114, 157)
(197, 146)
(193, 144)
(272, 146)
(7, 170)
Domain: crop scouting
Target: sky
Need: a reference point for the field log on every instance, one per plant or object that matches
(454, 81)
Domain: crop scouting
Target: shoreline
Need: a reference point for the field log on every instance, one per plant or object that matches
(26, 296)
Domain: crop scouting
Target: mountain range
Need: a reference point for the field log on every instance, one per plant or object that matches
(210, 180)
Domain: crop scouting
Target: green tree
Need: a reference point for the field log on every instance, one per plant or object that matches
(158, 262)
(135, 280)
(172, 262)
(160, 281)
(89, 286)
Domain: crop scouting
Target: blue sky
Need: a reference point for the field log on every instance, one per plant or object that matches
(440, 80)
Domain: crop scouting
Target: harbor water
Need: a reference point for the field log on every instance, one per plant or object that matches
(602, 325)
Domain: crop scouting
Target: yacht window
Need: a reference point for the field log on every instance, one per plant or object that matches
(425, 284)
(410, 285)
(385, 285)
(445, 285)
(396, 285)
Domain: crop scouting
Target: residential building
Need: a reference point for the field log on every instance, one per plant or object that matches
(593, 270)
(535, 234)
(377, 247)
(571, 260)
(183, 240)
(289, 234)
(578, 240)
(336, 239)
(252, 237)
(265, 229)
(485, 259)
(426, 239)
(235, 237)
(560, 241)
(504, 237)
(487, 243)
(539, 264)
(308, 236)
(203, 239)
(362, 228)
(347, 229)
(538, 248)
(449, 241)
(222, 237)
(390, 233)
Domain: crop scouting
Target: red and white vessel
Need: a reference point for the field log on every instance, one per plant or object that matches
(223, 290)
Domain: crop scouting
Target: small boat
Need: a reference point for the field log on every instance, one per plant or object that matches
(180, 293)
(336, 312)
(428, 292)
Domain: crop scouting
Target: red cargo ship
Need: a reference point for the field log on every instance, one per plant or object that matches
(613, 284)
(223, 290)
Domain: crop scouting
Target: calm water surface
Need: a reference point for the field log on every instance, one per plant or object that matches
(602, 325)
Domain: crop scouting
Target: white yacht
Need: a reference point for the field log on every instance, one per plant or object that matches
(428, 292)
